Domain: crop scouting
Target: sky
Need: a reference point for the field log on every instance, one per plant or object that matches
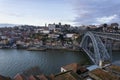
(74, 12)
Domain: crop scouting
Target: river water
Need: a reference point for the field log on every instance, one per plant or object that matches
(14, 61)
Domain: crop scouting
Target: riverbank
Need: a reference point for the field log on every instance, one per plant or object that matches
(63, 49)
(46, 49)
(115, 47)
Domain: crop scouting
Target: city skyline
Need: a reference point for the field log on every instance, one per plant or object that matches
(41, 12)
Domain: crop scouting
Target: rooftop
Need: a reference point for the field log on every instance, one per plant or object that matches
(4, 78)
(74, 67)
(69, 75)
(100, 74)
(115, 68)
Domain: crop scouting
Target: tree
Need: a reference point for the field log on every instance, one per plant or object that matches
(44, 39)
(61, 37)
(105, 25)
(115, 26)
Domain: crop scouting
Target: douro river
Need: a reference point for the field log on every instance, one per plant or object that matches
(14, 61)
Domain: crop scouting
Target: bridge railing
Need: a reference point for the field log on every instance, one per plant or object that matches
(114, 36)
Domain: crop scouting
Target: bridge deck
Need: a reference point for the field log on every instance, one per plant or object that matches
(114, 36)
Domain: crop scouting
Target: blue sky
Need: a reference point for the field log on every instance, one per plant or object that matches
(74, 12)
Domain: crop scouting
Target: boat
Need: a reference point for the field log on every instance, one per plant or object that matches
(36, 49)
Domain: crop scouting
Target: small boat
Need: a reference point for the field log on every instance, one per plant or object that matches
(36, 49)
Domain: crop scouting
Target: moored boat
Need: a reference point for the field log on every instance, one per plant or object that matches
(36, 49)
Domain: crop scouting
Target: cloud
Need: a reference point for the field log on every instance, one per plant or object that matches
(106, 19)
(12, 14)
(96, 11)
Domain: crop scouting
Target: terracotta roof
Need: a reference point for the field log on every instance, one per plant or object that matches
(102, 75)
(42, 77)
(69, 75)
(31, 78)
(74, 67)
(19, 77)
(5, 78)
(115, 68)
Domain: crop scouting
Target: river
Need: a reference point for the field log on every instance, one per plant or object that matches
(14, 61)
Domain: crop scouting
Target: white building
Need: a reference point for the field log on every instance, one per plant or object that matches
(51, 26)
(3, 37)
(69, 35)
(42, 31)
(45, 31)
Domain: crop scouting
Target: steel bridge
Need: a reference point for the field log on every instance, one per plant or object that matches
(92, 43)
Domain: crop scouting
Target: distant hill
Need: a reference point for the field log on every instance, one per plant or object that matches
(7, 25)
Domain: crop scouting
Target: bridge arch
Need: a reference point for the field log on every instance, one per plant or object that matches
(100, 52)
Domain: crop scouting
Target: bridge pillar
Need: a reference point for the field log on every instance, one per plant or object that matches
(100, 63)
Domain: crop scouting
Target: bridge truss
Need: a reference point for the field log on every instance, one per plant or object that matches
(99, 52)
